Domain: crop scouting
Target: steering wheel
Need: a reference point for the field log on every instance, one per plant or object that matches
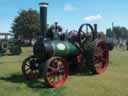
(85, 35)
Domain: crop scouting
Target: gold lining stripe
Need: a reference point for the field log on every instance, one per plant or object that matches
(53, 46)
(67, 47)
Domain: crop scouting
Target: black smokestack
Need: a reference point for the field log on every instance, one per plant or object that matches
(43, 17)
(95, 31)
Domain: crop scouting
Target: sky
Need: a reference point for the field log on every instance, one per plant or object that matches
(69, 13)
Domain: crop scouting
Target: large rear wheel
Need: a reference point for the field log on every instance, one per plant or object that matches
(101, 57)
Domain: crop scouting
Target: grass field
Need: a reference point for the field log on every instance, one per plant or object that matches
(114, 82)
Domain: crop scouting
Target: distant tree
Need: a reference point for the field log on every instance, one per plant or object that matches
(117, 32)
(109, 33)
(26, 23)
(101, 35)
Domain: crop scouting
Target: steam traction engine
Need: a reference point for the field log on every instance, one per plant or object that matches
(57, 55)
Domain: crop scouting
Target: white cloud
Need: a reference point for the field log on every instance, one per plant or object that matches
(93, 18)
(69, 7)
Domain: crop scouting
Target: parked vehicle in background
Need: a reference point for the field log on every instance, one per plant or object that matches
(9, 44)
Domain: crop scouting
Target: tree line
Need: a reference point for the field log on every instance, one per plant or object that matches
(27, 23)
(117, 32)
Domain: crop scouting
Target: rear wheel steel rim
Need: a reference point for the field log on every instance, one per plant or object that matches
(101, 58)
(31, 72)
(57, 72)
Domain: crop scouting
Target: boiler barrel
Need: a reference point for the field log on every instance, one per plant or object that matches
(46, 49)
(63, 48)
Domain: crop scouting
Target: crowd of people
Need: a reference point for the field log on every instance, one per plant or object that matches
(122, 43)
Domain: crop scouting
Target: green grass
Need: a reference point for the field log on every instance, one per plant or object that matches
(112, 83)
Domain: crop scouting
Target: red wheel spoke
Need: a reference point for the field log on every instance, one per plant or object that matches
(52, 69)
(60, 67)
